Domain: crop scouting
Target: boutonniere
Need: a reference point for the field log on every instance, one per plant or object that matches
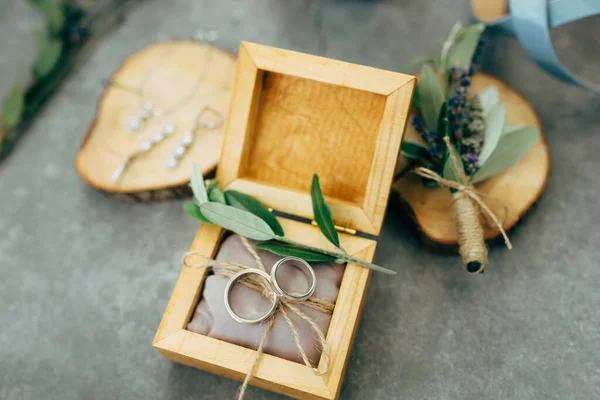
(465, 139)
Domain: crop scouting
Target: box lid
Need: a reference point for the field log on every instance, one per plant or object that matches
(293, 115)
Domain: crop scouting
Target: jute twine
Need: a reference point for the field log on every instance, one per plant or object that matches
(465, 200)
(228, 269)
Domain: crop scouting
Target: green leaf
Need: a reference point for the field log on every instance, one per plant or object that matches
(285, 250)
(414, 151)
(210, 185)
(416, 100)
(511, 148)
(418, 60)
(249, 203)
(452, 37)
(192, 209)
(465, 47)
(49, 52)
(488, 98)
(322, 212)
(52, 12)
(215, 194)
(494, 125)
(431, 96)
(450, 172)
(197, 183)
(443, 123)
(12, 107)
(511, 128)
(239, 221)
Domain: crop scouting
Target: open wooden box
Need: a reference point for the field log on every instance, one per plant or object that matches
(293, 115)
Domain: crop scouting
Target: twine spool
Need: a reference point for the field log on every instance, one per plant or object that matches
(471, 241)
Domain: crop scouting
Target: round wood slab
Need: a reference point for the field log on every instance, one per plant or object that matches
(169, 71)
(509, 194)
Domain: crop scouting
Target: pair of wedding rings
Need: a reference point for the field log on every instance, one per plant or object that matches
(278, 291)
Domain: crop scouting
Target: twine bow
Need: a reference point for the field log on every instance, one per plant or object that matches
(465, 187)
(228, 269)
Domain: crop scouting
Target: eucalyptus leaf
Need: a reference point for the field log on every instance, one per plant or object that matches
(416, 100)
(52, 12)
(494, 125)
(249, 203)
(49, 52)
(197, 182)
(192, 209)
(450, 172)
(285, 250)
(443, 123)
(12, 107)
(452, 37)
(414, 151)
(210, 185)
(465, 47)
(511, 128)
(511, 148)
(238, 221)
(418, 60)
(488, 98)
(322, 212)
(431, 96)
(215, 194)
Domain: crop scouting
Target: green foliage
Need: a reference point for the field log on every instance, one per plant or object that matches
(468, 38)
(420, 60)
(249, 203)
(48, 56)
(242, 222)
(322, 213)
(215, 194)
(53, 14)
(494, 125)
(193, 210)
(246, 216)
(512, 146)
(197, 183)
(450, 172)
(12, 107)
(431, 96)
(414, 151)
(488, 98)
(286, 250)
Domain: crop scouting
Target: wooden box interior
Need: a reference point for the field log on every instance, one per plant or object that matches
(293, 115)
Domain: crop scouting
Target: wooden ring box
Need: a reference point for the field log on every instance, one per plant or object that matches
(293, 115)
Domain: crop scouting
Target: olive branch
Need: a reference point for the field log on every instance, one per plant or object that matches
(248, 217)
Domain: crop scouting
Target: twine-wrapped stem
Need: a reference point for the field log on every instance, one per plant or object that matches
(467, 205)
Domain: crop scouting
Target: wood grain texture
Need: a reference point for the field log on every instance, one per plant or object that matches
(517, 188)
(170, 69)
(293, 115)
(273, 373)
(489, 10)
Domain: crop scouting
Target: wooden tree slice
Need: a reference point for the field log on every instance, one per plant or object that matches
(509, 194)
(168, 71)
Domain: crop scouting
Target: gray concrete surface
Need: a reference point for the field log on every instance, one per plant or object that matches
(84, 279)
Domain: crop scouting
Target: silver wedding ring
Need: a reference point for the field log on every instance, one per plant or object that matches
(305, 267)
(278, 291)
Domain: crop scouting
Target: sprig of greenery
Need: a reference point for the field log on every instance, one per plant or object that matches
(502, 146)
(246, 216)
(56, 44)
